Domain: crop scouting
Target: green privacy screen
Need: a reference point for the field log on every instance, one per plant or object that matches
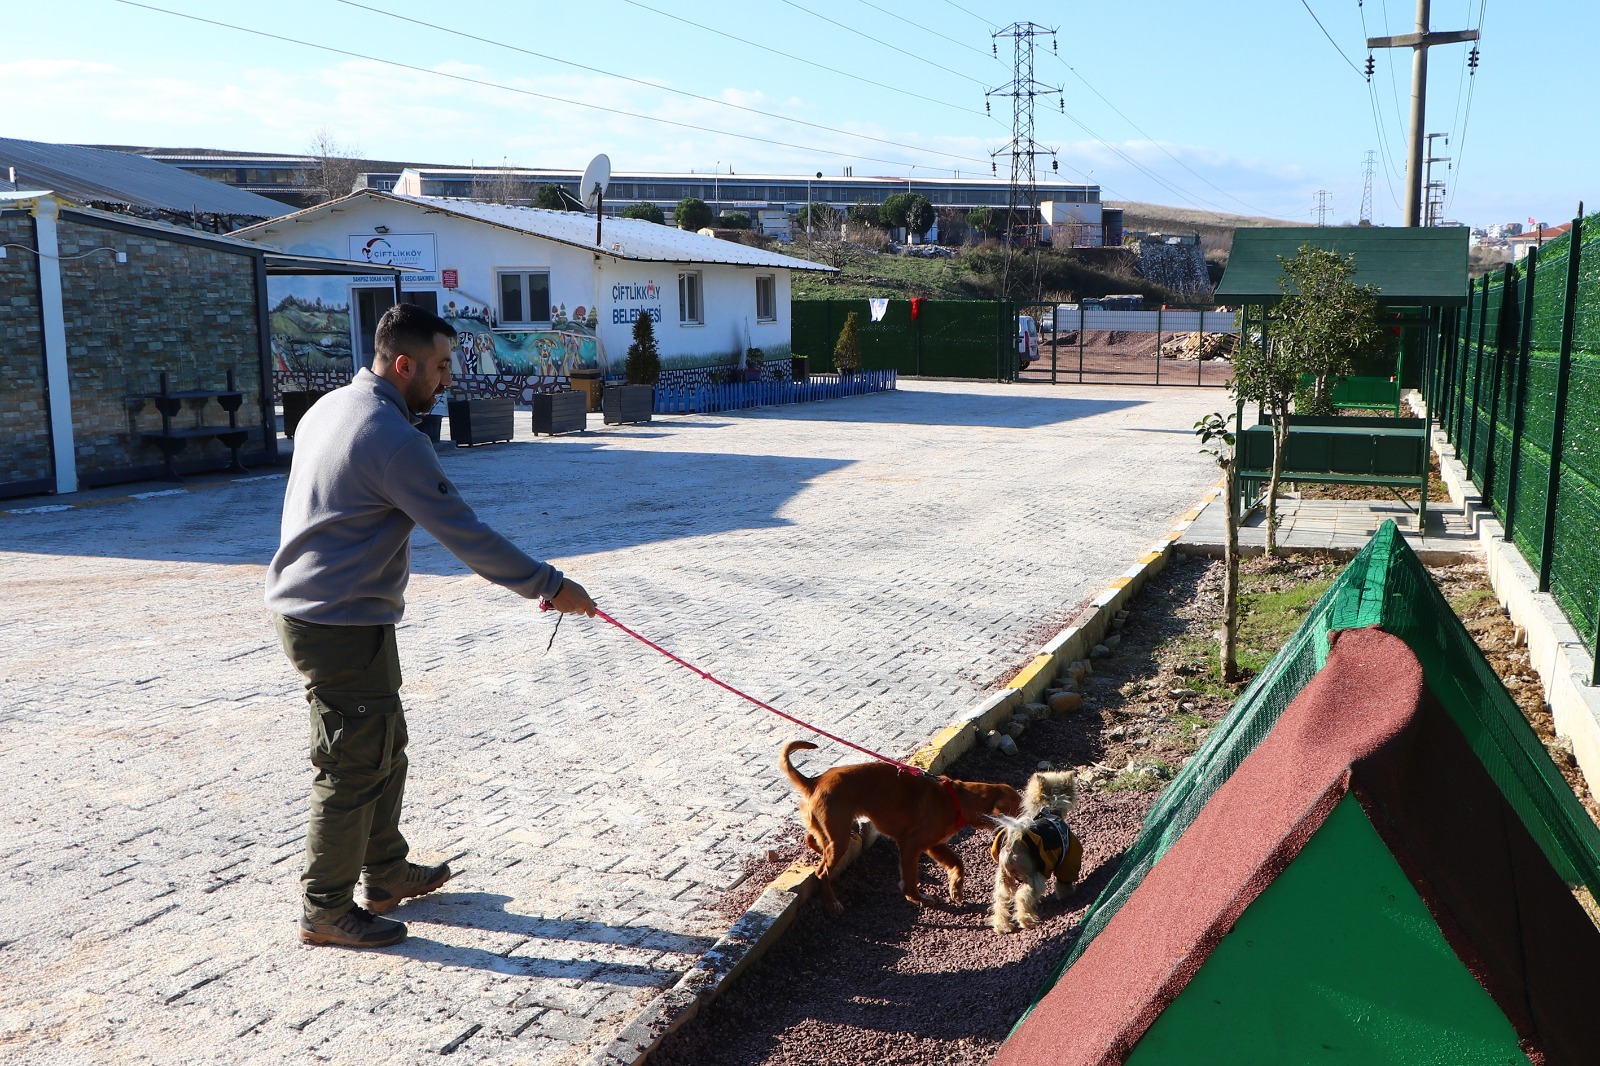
(972, 339)
(1516, 373)
(1384, 585)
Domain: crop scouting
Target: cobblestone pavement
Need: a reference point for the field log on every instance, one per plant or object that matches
(874, 564)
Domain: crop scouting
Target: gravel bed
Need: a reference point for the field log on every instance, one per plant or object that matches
(888, 983)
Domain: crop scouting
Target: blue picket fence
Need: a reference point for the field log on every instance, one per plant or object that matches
(707, 399)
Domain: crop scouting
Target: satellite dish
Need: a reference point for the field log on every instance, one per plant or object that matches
(596, 178)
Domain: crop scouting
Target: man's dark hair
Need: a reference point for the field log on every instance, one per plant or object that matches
(408, 329)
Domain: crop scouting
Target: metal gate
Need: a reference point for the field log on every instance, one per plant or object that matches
(1096, 345)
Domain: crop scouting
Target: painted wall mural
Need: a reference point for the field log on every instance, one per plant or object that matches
(310, 344)
(520, 363)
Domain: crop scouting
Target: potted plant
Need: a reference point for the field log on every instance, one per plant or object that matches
(753, 358)
(847, 352)
(635, 401)
(299, 391)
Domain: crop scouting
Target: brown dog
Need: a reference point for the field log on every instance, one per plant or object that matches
(918, 812)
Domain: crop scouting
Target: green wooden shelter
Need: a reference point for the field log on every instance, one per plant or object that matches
(1372, 862)
(1419, 272)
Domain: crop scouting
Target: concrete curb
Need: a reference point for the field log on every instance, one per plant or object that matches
(1556, 649)
(760, 927)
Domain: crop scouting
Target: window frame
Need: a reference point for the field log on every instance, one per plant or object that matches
(771, 281)
(524, 273)
(699, 309)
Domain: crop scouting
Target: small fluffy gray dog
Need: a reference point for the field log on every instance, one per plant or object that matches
(1030, 849)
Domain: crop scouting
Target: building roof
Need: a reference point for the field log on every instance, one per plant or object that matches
(276, 262)
(1543, 235)
(1368, 728)
(1410, 266)
(621, 238)
(93, 176)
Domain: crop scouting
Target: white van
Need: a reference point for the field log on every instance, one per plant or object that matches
(1027, 341)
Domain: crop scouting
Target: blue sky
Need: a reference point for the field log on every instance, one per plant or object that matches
(1242, 105)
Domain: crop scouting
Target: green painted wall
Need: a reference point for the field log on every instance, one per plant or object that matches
(1338, 961)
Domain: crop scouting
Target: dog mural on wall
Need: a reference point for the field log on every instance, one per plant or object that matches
(1033, 847)
(919, 812)
(494, 361)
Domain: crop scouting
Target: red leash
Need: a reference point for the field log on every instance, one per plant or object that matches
(907, 767)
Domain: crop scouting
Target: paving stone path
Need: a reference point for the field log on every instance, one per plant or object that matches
(874, 564)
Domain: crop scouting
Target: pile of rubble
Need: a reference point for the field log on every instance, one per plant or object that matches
(1198, 346)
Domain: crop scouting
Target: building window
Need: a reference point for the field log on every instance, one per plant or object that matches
(690, 312)
(766, 298)
(524, 298)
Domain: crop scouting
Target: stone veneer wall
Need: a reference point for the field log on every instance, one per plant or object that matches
(182, 308)
(24, 407)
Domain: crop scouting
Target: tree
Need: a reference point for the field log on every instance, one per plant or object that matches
(986, 221)
(648, 212)
(1329, 321)
(644, 358)
(908, 211)
(736, 220)
(549, 197)
(500, 187)
(1218, 441)
(814, 217)
(864, 215)
(691, 214)
(1265, 371)
(847, 352)
(334, 168)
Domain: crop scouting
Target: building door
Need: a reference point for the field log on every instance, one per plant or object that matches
(370, 304)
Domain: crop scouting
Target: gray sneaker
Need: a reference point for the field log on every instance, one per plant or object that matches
(413, 880)
(355, 928)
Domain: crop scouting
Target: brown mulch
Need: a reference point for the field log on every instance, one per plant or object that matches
(889, 983)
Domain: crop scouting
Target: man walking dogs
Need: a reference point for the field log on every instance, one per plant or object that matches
(363, 477)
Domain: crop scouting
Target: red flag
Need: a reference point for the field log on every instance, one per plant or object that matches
(916, 307)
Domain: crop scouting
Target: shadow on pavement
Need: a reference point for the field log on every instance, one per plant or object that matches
(1020, 410)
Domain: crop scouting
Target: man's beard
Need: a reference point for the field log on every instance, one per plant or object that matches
(417, 399)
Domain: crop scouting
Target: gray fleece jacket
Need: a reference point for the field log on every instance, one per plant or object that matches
(363, 477)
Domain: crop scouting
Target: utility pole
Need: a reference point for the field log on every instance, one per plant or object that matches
(1419, 42)
(1434, 198)
(1322, 207)
(1366, 188)
(1023, 200)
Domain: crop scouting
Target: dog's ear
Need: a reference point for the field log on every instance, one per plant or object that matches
(999, 841)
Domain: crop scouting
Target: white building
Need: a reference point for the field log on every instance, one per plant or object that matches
(532, 293)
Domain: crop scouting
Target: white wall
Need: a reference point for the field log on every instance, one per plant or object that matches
(617, 290)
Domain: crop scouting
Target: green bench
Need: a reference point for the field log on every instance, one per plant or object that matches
(1351, 450)
(1360, 393)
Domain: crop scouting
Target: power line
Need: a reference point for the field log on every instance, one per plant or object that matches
(1146, 171)
(1377, 116)
(538, 95)
(987, 24)
(800, 59)
(882, 44)
(925, 29)
(1329, 36)
(625, 77)
(1461, 141)
(1394, 83)
(1151, 139)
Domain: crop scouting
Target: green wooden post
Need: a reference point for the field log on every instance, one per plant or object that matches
(1519, 416)
(1055, 341)
(1563, 381)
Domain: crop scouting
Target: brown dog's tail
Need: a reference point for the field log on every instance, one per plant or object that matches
(801, 781)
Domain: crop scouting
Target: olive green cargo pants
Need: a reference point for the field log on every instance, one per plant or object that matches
(358, 747)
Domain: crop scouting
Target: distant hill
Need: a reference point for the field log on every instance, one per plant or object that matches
(1215, 227)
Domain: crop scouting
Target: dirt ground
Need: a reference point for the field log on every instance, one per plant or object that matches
(888, 983)
(1120, 357)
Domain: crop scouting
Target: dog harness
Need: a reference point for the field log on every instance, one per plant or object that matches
(1047, 836)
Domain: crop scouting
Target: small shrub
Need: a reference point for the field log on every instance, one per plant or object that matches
(648, 212)
(753, 358)
(847, 353)
(692, 214)
(736, 220)
(644, 358)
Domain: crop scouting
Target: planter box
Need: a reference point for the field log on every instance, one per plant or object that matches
(295, 406)
(628, 403)
(799, 369)
(481, 421)
(560, 412)
(432, 427)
